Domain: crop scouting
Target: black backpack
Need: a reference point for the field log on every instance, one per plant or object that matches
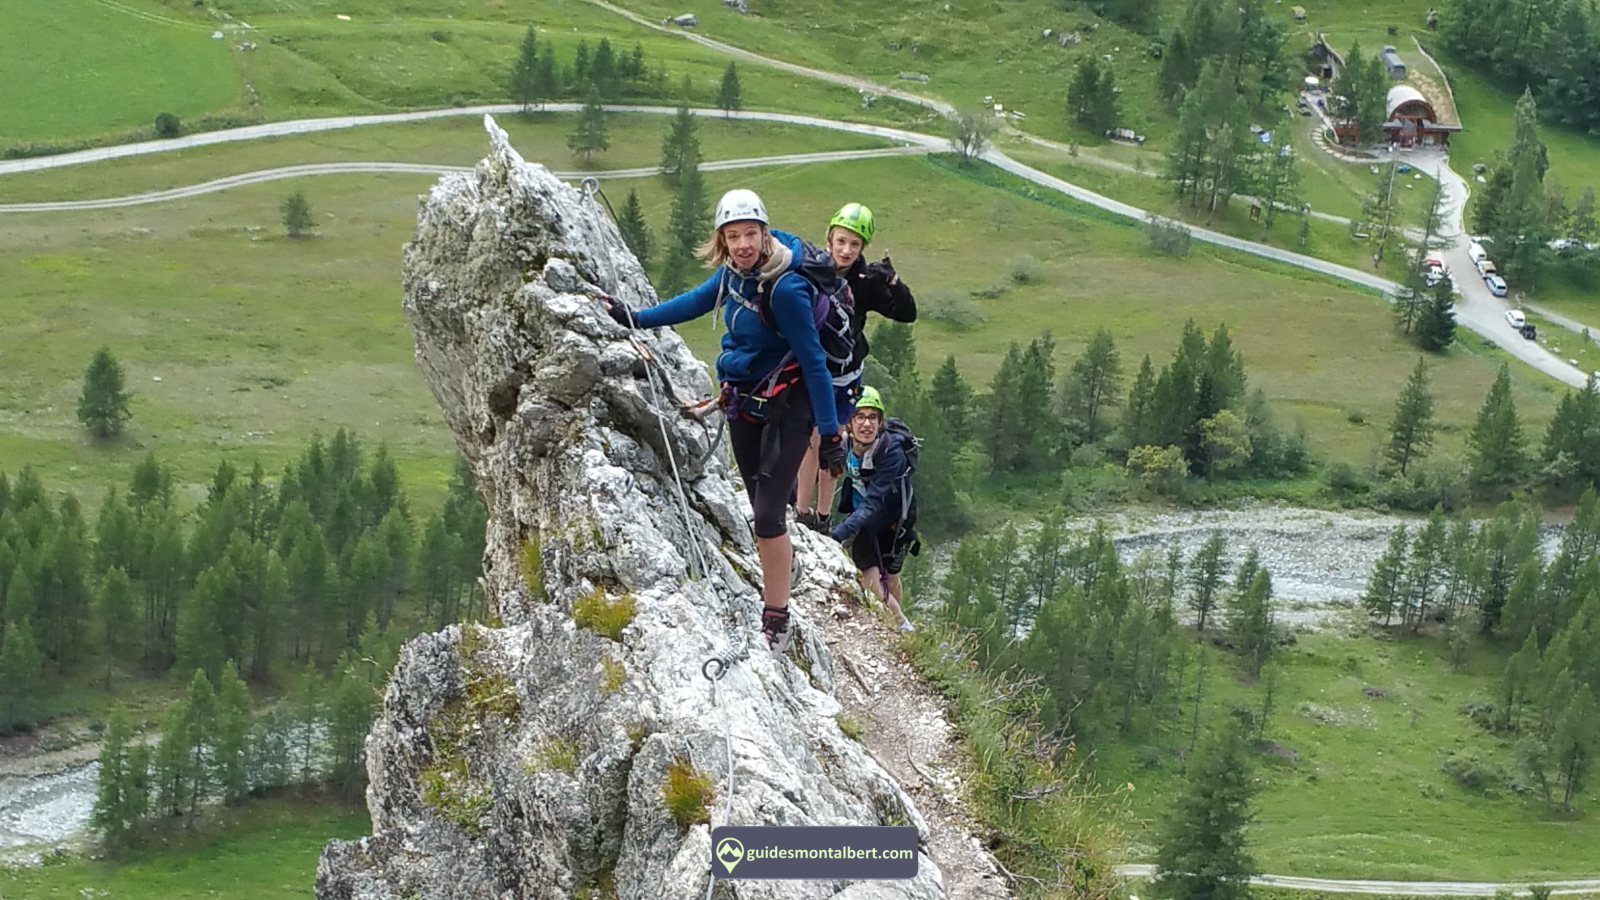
(831, 308)
(911, 446)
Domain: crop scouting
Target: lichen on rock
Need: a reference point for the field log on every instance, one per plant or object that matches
(529, 760)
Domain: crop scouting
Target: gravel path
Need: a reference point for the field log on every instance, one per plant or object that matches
(1403, 888)
(264, 175)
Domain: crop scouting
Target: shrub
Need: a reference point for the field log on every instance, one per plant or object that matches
(1026, 270)
(1168, 237)
(167, 125)
(558, 754)
(297, 218)
(604, 616)
(612, 674)
(688, 793)
(1160, 468)
(946, 305)
(1471, 770)
(1344, 478)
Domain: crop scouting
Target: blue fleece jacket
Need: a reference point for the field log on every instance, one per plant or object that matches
(882, 475)
(751, 350)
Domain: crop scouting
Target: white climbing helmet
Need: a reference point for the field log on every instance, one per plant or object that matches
(740, 205)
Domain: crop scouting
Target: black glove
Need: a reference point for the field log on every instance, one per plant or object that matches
(621, 314)
(831, 454)
(883, 269)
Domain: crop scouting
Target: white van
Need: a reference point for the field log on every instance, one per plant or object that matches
(1476, 252)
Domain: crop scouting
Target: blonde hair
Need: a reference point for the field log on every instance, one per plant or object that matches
(715, 249)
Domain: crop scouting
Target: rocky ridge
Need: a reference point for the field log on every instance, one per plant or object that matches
(528, 759)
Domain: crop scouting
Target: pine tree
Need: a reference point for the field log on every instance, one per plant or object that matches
(546, 77)
(1250, 625)
(1577, 741)
(1092, 99)
(103, 404)
(603, 73)
(1496, 441)
(728, 91)
(895, 348)
(116, 621)
(230, 736)
(1387, 581)
(349, 713)
(198, 723)
(1436, 325)
(686, 228)
(1092, 385)
(635, 231)
(20, 670)
(112, 806)
(951, 399)
(589, 135)
(680, 149)
(307, 702)
(1426, 571)
(1138, 419)
(1205, 577)
(1200, 853)
(1411, 429)
(1004, 412)
(296, 213)
(523, 85)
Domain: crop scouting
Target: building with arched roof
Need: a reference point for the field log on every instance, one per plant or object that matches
(1412, 122)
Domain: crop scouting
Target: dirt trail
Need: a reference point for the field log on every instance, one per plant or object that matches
(908, 732)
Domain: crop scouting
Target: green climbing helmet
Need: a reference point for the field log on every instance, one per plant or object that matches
(854, 217)
(870, 399)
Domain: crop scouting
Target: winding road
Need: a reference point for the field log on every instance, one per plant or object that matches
(1399, 888)
(1483, 314)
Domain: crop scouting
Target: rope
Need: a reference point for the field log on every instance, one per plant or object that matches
(713, 669)
(590, 187)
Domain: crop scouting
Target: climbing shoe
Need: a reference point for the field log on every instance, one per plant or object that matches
(906, 627)
(775, 627)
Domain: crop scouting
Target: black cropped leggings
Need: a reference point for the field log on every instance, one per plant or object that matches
(768, 455)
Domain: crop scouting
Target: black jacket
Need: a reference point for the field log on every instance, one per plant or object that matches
(869, 284)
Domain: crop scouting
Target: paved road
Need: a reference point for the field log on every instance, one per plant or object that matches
(1403, 888)
(1476, 308)
(345, 168)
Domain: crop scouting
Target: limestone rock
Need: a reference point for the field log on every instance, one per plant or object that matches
(528, 760)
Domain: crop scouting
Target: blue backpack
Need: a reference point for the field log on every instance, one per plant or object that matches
(832, 307)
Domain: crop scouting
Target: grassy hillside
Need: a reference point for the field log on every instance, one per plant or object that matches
(260, 341)
(306, 63)
(265, 850)
(78, 67)
(1363, 796)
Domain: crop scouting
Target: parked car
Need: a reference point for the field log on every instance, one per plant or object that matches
(1528, 332)
(1516, 318)
(1476, 252)
(1497, 285)
(1486, 268)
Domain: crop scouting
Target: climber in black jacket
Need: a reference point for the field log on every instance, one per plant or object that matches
(876, 288)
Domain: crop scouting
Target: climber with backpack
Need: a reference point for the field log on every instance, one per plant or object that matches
(874, 287)
(879, 503)
(786, 338)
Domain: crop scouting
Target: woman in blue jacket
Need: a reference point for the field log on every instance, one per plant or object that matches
(775, 381)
